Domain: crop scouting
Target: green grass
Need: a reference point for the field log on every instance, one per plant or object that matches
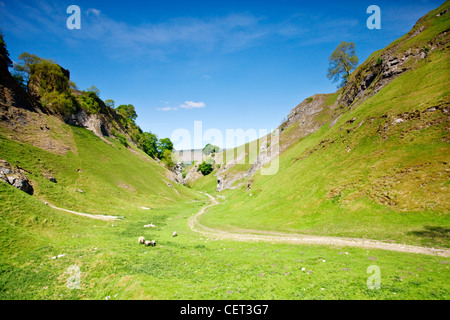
(206, 183)
(113, 264)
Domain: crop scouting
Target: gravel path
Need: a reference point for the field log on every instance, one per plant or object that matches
(279, 237)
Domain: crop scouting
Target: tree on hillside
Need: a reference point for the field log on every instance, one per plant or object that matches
(41, 75)
(110, 103)
(164, 144)
(73, 85)
(166, 158)
(46, 81)
(127, 111)
(47, 76)
(342, 62)
(90, 102)
(95, 90)
(206, 168)
(148, 142)
(23, 69)
(209, 148)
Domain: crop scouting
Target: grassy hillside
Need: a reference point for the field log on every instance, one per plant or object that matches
(93, 175)
(381, 171)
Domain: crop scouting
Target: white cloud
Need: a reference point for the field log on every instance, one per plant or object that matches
(95, 12)
(192, 105)
(167, 109)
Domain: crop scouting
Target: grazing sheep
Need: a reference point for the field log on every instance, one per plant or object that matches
(151, 225)
(141, 240)
(174, 234)
(150, 243)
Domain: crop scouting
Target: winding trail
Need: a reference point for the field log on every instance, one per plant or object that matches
(87, 215)
(279, 237)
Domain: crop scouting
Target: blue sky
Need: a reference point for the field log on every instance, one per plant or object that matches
(230, 64)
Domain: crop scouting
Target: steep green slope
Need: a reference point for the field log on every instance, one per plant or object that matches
(93, 176)
(379, 170)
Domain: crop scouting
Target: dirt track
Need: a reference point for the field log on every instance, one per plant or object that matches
(87, 215)
(279, 237)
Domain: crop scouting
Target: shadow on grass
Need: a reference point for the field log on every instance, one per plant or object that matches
(438, 235)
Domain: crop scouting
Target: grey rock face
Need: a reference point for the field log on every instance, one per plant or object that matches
(15, 178)
(96, 123)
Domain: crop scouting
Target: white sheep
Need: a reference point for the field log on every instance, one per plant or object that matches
(141, 240)
(174, 234)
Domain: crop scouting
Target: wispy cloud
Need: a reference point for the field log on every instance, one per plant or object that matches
(186, 35)
(167, 109)
(45, 20)
(93, 11)
(192, 105)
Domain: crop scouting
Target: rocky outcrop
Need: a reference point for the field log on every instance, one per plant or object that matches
(175, 173)
(14, 97)
(305, 113)
(379, 70)
(229, 181)
(266, 154)
(269, 149)
(192, 174)
(97, 123)
(15, 177)
(372, 77)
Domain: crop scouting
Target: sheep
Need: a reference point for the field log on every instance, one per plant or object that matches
(141, 240)
(150, 243)
(174, 234)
